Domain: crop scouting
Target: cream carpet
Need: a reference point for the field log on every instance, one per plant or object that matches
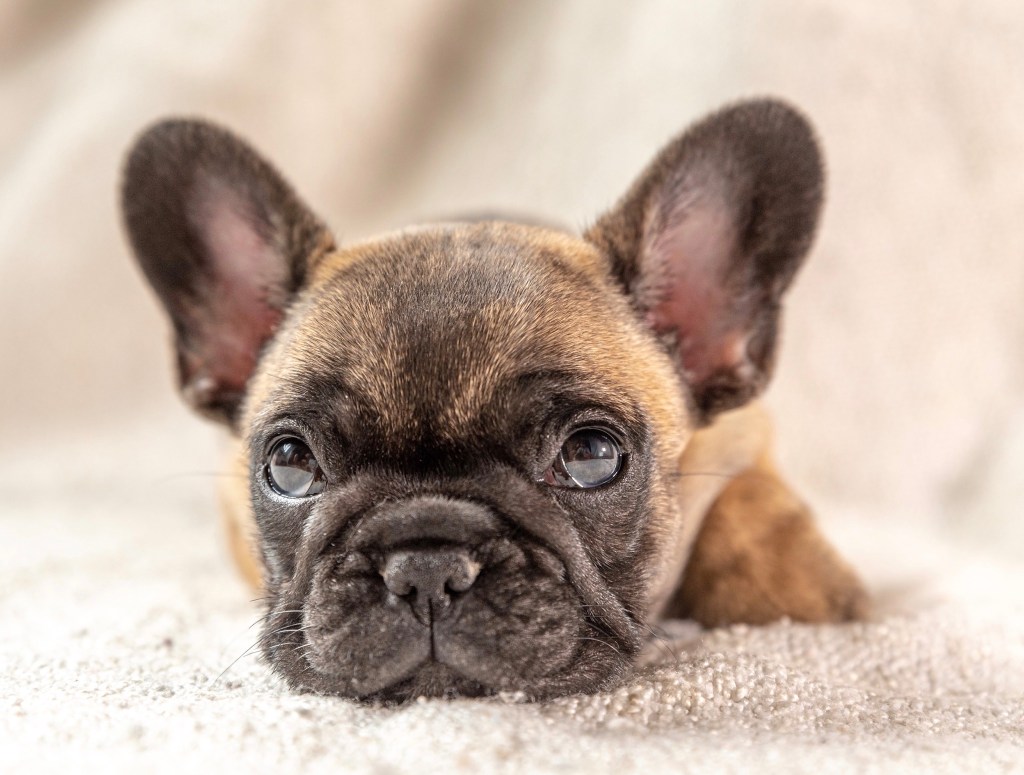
(126, 636)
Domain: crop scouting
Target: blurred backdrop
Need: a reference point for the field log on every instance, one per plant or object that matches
(900, 391)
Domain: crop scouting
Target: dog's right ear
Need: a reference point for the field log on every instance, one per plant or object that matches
(225, 242)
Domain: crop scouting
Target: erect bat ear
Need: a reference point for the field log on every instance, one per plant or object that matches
(225, 242)
(710, 236)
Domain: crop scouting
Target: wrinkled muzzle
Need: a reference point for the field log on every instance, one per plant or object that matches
(434, 595)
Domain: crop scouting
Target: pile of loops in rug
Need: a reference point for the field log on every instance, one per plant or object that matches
(124, 625)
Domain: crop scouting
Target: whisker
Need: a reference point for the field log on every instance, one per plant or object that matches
(283, 630)
(275, 613)
(602, 642)
(259, 642)
(657, 635)
(160, 480)
(276, 646)
(245, 653)
(303, 655)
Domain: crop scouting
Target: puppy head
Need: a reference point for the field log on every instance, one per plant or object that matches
(464, 438)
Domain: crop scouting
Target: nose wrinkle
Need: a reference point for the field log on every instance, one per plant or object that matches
(424, 518)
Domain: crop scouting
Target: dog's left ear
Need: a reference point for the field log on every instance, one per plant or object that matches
(710, 236)
(225, 242)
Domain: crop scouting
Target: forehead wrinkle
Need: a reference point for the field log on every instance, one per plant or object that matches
(525, 326)
(428, 326)
(445, 332)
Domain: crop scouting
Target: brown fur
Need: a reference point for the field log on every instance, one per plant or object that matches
(239, 523)
(759, 557)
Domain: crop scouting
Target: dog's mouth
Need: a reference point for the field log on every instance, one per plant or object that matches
(441, 621)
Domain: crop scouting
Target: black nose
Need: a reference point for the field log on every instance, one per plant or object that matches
(427, 578)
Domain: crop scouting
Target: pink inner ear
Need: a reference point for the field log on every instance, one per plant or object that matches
(240, 313)
(686, 264)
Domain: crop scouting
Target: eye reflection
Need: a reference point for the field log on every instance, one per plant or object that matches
(589, 458)
(292, 470)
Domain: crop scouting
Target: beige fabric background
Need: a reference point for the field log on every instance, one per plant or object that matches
(899, 395)
(903, 361)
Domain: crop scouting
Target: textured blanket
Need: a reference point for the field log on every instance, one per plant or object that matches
(128, 642)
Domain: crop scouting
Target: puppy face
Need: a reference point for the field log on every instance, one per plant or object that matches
(436, 376)
(464, 439)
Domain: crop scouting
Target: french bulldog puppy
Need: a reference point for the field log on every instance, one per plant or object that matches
(488, 456)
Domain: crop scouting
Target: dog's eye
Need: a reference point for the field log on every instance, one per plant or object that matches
(590, 457)
(292, 470)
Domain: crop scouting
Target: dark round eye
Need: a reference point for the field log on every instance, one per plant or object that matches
(292, 470)
(590, 457)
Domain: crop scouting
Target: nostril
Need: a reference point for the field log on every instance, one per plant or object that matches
(396, 584)
(463, 575)
(394, 577)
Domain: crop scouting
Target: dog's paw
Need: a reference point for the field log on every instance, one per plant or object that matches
(760, 557)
